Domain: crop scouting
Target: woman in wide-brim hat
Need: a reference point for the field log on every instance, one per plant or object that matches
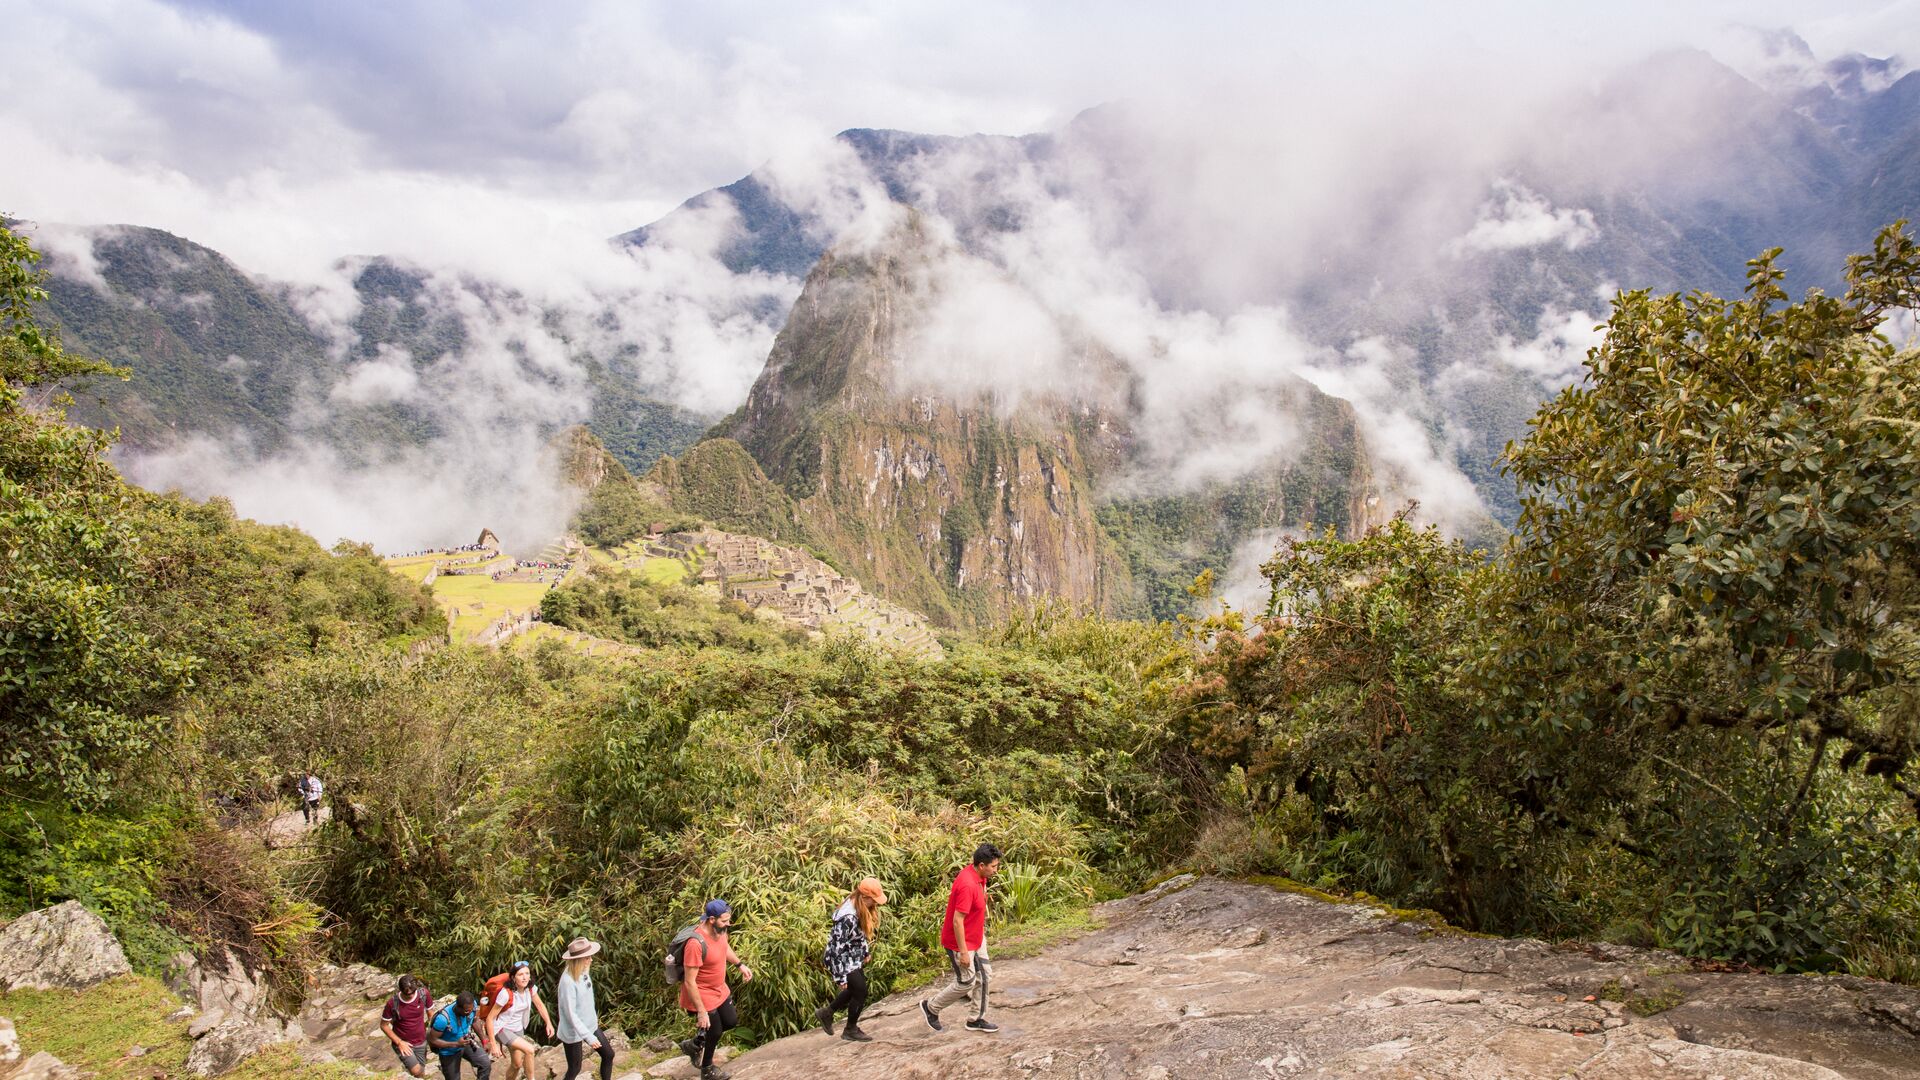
(579, 1028)
(849, 945)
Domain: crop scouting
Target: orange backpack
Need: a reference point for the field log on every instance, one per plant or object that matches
(496, 994)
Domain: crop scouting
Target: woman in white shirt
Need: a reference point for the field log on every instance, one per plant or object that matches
(505, 1020)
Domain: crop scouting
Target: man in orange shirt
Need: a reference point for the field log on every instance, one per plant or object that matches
(963, 933)
(704, 993)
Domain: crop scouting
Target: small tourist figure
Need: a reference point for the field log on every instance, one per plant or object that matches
(963, 934)
(849, 946)
(310, 791)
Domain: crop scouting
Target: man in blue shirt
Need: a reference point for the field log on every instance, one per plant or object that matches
(452, 1037)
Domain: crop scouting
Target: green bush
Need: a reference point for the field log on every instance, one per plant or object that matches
(112, 865)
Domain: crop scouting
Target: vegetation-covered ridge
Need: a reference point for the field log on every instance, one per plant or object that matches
(1676, 708)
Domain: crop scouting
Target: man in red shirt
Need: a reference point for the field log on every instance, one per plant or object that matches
(704, 993)
(963, 933)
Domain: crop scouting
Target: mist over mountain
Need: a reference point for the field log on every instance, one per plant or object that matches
(1437, 254)
(391, 402)
(1433, 249)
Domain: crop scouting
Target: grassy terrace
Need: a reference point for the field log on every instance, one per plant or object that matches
(478, 600)
(94, 1029)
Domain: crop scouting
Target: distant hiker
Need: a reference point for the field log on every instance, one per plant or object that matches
(310, 791)
(579, 1030)
(704, 993)
(849, 946)
(452, 1037)
(963, 933)
(404, 1023)
(509, 1003)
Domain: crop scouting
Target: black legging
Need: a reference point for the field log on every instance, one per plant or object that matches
(578, 1051)
(720, 1020)
(852, 997)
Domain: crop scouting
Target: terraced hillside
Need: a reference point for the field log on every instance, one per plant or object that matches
(491, 598)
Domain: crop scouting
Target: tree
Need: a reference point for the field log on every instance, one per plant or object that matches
(82, 685)
(1720, 525)
(30, 354)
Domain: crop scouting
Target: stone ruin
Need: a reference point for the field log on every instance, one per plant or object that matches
(802, 589)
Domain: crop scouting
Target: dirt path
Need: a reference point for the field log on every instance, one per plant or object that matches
(1218, 979)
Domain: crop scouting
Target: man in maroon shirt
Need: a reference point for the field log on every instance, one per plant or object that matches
(404, 1023)
(963, 933)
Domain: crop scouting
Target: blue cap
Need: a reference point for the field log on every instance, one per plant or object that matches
(717, 908)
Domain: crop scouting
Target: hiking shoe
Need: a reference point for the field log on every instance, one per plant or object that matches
(824, 1017)
(983, 1025)
(691, 1048)
(854, 1034)
(712, 1072)
(932, 1018)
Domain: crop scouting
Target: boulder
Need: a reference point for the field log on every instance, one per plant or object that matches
(9, 1042)
(64, 947)
(44, 1066)
(230, 1043)
(219, 985)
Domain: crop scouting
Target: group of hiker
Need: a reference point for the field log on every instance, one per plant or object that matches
(480, 1029)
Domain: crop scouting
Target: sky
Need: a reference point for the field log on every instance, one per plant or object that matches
(505, 143)
(289, 134)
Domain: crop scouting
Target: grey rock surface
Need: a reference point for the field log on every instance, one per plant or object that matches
(220, 984)
(44, 1066)
(64, 947)
(1209, 978)
(227, 1045)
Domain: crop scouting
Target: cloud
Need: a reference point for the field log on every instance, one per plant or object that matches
(1516, 218)
(1556, 353)
(68, 252)
(411, 499)
(387, 379)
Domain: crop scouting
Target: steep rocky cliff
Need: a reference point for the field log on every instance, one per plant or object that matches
(967, 502)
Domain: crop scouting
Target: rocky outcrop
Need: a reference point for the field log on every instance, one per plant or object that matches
(62, 947)
(1210, 978)
(964, 499)
(44, 1066)
(229, 1044)
(218, 988)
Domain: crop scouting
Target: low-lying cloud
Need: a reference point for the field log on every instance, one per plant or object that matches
(1516, 218)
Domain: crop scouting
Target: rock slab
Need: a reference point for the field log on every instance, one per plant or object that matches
(44, 1066)
(1207, 978)
(227, 1045)
(64, 947)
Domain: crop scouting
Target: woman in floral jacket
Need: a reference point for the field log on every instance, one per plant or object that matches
(849, 945)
